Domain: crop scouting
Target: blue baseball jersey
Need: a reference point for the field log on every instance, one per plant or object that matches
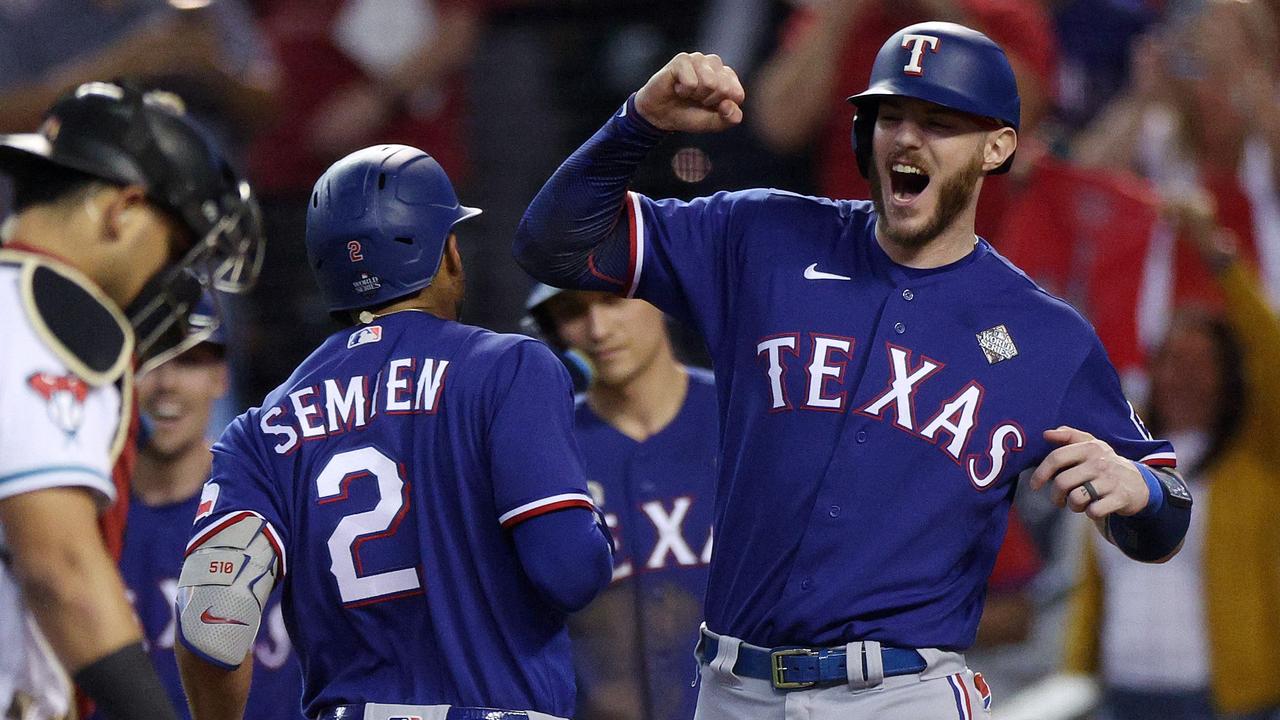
(875, 417)
(390, 468)
(632, 644)
(153, 546)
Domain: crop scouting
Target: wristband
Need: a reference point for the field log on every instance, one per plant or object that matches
(124, 685)
(1151, 537)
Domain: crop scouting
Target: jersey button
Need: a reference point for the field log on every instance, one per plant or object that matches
(908, 295)
(899, 328)
(805, 584)
(861, 436)
(834, 511)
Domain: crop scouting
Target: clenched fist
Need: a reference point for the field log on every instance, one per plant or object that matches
(692, 93)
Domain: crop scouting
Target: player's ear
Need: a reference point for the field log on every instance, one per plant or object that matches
(452, 257)
(117, 209)
(997, 147)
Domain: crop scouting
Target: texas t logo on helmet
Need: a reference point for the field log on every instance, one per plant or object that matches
(917, 43)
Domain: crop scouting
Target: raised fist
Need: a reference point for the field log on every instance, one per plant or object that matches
(692, 93)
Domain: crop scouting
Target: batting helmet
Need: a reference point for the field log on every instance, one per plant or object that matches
(943, 63)
(377, 225)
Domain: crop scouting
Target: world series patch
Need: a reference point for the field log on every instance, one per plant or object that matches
(996, 344)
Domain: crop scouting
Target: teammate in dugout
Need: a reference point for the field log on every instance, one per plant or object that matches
(415, 486)
(176, 399)
(883, 376)
(120, 201)
(648, 430)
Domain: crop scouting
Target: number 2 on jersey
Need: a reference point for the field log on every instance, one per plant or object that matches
(353, 530)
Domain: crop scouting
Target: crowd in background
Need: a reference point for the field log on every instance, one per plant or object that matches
(1144, 191)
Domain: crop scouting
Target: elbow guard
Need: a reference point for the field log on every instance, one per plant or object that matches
(223, 588)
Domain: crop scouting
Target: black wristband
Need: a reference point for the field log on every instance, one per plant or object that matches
(125, 686)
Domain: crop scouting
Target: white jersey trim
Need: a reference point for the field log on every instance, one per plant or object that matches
(637, 242)
(57, 476)
(1160, 458)
(543, 506)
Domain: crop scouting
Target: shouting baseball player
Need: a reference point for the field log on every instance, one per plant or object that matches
(120, 201)
(648, 430)
(415, 486)
(883, 375)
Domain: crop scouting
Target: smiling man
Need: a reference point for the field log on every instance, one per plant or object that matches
(883, 378)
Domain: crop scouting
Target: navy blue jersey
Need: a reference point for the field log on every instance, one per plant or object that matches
(390, 468)
(632, 644)
(153, 543)
(875, 417)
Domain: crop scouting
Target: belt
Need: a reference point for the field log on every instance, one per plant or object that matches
(356, 712)
(794, 668)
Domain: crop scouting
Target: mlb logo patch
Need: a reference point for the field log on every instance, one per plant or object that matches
(405, 717)
(364, 336)
(208, 500)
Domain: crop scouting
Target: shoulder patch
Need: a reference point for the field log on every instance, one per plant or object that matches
(77, 322)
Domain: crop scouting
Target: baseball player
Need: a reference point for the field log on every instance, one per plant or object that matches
(883, 377)
(648, 430)
(120, 201)
(414, 485)
(176, 400)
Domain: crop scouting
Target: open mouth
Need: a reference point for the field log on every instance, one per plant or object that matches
(906, 181)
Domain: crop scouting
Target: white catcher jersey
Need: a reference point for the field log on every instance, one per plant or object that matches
(61, 425)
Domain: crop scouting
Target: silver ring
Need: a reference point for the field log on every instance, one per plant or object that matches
(1088, 487)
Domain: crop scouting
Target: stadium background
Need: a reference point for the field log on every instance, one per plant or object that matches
(1129, 106)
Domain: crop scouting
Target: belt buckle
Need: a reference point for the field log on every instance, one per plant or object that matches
(775, 662)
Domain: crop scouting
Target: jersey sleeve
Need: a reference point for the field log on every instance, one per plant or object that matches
(686, 255)
(1095, 403)
(56, 430)
(535, 463)
(239, 484)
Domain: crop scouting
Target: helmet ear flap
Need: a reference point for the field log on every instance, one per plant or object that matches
(864, 124)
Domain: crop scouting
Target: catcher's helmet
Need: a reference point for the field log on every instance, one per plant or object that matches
(944, 63)
(377, 225)
(124, 136)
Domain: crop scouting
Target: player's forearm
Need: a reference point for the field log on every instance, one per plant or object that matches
(566, 556)
(69, 581)
(213, 693)
(581, 207)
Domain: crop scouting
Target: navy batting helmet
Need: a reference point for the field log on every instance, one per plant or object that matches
(944, 63)
(377, 225)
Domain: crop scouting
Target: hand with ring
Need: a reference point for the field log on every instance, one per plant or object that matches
(1087, 476)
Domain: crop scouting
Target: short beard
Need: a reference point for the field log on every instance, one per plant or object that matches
(953, 197)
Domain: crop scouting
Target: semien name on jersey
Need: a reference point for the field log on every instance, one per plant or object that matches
(405, 386)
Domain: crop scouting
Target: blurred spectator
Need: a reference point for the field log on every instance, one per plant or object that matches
(173, 464)
(1196, 638)
(1201, 113)
(355, 73)
(826, 54)
(211, 53)
(1095, 37)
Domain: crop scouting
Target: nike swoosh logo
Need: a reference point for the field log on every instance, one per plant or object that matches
(813, 273)
(623, 112)
(210, 619)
